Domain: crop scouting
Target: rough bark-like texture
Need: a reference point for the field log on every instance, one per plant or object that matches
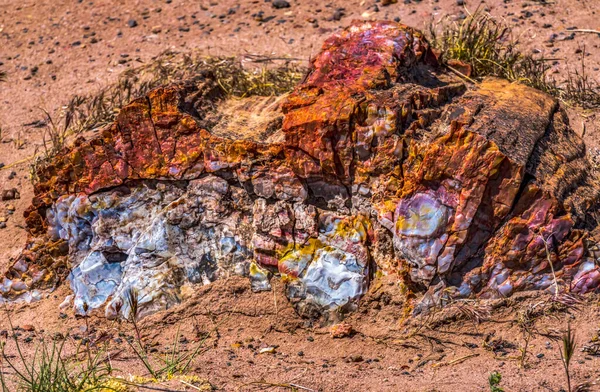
(377, 161)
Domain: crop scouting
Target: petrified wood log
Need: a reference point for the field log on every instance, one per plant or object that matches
(377, 161)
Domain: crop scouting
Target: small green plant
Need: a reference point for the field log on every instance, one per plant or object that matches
(494, 381)
(566, 353)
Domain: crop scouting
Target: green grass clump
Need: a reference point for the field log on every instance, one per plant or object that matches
(480, 41)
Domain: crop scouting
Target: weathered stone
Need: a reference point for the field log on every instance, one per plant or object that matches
(341, 330)
(377, 161)
(10, 194)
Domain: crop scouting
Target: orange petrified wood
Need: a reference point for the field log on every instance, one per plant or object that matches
(378, 160)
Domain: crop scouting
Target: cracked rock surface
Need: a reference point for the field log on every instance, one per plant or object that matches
(378, 162)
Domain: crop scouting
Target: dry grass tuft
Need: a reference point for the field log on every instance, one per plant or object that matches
(491, 49)
(97, 110)
(580, 88)
(252, 75)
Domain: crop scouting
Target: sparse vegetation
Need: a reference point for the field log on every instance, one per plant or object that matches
(579, 88)
(96, 110)
(171, 364)
(566, 353)
(292, 387)
(489, 47)
(527, 317)
(51, 370)
(93, 111)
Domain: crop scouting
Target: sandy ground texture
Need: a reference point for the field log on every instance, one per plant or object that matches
(52, 50)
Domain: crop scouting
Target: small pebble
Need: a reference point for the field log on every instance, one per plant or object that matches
(267, 350)
(280, 4)
(10, 194)
(338, 14)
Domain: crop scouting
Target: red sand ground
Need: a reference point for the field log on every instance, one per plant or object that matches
(81, 47)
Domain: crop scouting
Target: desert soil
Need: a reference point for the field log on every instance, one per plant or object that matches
(52, 50)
